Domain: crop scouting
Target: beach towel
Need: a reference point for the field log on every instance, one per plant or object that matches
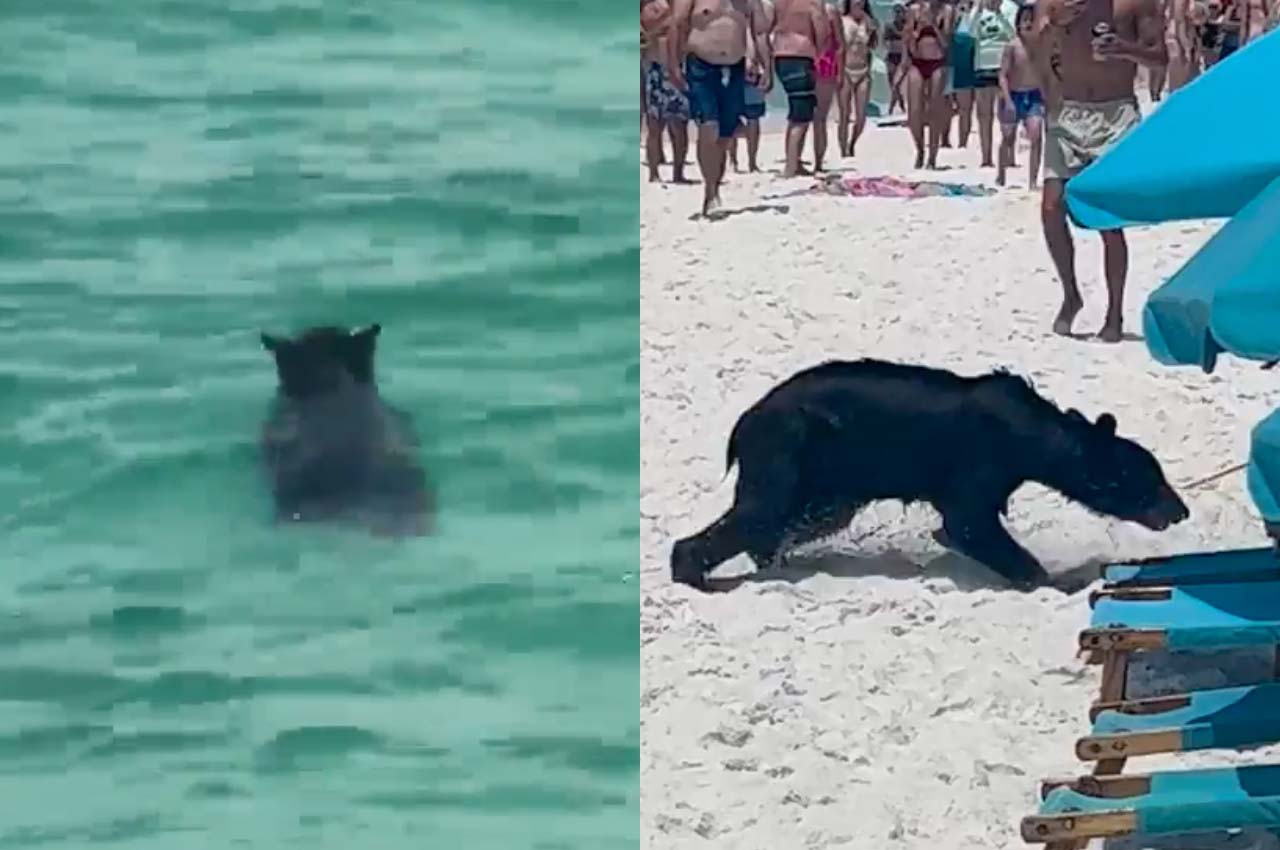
(891, 187)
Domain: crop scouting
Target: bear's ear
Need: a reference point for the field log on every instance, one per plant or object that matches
(1077, 417)
(270, 343)
(370, 332)
(1107, 424)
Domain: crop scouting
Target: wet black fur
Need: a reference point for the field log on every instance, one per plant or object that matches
(332, 448)
(833, 438)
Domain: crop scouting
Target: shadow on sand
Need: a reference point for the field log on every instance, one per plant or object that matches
(967, 574)
(722, 214)
(1125, 336)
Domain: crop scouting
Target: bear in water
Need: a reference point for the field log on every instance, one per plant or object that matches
(334, 450)
(831, 439)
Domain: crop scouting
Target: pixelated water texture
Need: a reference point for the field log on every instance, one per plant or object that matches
(176, 176)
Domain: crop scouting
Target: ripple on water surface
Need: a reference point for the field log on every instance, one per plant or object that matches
(178, 176)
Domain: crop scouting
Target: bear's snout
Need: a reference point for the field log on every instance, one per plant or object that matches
(1170, 510)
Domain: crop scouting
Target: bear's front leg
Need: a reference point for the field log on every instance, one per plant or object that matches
(983, 538)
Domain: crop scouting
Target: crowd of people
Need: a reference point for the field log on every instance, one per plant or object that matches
(1064, 72)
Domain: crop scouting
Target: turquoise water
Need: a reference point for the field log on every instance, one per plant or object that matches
(174, 178)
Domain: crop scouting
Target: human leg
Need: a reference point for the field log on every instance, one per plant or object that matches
(1034, 126)
(825, 92)
(730, 106)
(861, 97)
(753, 144)
(1008, 139)
(1115, 253)
(1156, 78)
(896, 71)
(796, 75)
(1057, 236)
(653, 148)
(678, 129)
(844, 114)
(984, 106)
(964, 108)
(938, 114)
(916, 111)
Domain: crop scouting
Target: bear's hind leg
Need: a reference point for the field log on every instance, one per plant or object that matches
(695, 556)
(755, 525)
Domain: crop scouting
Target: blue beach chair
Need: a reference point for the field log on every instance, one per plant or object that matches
(1257, 564)
(1187, 617)
(1235, 717)
(1176, 802)
(1176, 618)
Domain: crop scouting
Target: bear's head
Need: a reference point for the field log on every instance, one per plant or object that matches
(1117, 477)
(322, 360)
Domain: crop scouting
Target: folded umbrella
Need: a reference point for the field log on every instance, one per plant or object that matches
(1227, 296)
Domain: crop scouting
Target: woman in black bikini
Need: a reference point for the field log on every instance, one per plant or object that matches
(928, 32)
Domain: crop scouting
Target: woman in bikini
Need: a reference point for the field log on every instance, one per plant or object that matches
(893, 55)
(860, 38)
(826, 72)
(928, 32)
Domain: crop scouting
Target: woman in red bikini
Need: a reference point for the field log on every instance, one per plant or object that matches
(930, 24)
(826, 72)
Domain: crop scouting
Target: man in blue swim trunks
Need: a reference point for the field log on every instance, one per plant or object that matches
(753, 108)
(710, 36)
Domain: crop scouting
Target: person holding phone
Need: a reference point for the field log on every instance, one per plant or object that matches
(1088, 53)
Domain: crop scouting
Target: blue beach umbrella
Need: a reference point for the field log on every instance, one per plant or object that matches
(1205, 153)
(1226, 297)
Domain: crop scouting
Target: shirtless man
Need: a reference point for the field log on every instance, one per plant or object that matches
(1090, 92)
(709, 37)
(665, 106)
(1259, 18)
(799, 26)
(1021, 102)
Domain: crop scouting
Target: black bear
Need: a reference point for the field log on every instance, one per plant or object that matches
(833, 438)
(334, 450)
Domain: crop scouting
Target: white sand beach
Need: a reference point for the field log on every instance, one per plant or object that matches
(885, 693)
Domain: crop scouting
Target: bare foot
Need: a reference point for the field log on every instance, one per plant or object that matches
(753, 168)
(919, 160)
(1000, 179)
(711, 205)
(1067, 315)
(986, 163)
(653, 176)
(682, 180)
(1112, 331)
(1033, 187)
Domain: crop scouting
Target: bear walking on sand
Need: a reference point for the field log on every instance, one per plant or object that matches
(334, 450)
(831, 439)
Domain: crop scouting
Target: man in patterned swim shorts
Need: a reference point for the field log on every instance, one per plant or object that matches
(1088, 54)
(665, 106)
